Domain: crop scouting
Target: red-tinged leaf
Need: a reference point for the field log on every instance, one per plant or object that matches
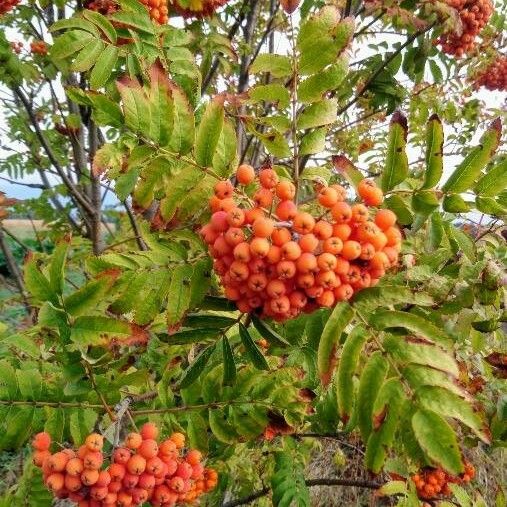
(347, 169)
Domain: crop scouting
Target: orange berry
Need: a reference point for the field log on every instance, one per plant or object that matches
(154, 465)
(116, 471)
(241, 252)
(124, 499)
(275, 289)
(359, 213)
(332, 245)
(178, 439)
(104, 479)
(285, 269)
(235, 217)
(253, 214)
(89, 477)
(341, 212)
(280, 236)
(193, 457)
(257, 282)
(374, 198)
(326, 261)
(245, 174)
(327, 279)
(226, 204)
(343, 292)
(393, 236)
(367, 251)
(280, 305)
(57, 462)
(224, 189)
(121, 455)
(323, 230)
(378, 241)
(351, 250)
(326, 299)
(305, 280)
(41, 441)
(385, 218)
(274, 254)
(303, 223)
(328, 197)
(342, 231)
(219, 222)
(234, 236)
(98, 493)
(379, 261)
(73, 483)
(167, 448)
(238, 272)
(259, 247)
(291, 251)
(94, 442)
(55, 481)
(93, 460)
(136, 465)
(268, 178)
(297, 299)
(40, 457)
(306, 263)
(341, 191)
(315, 291)
(285, 190)
(74, 467)
(263, 198)
(263, 227)
(134, 440)
(286, 210)
(364, 187)
(308, 242)
(342, 266)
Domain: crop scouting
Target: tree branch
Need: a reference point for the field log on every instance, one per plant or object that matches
(310, 483)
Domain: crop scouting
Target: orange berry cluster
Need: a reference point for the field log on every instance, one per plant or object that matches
(279, 261)
(7, 5)
(105, 7)
(494, 76)
(157, 8)
(431, 482)
(142, 471)
(39, 47)
(16, 46)
(197, 8)
(474, 15)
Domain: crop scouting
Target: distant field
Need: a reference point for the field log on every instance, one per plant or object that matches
(23, 228)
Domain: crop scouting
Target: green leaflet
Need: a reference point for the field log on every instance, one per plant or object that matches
(385, 418)
(409, 350)
(87, 297)
(81, 421)
(419, 375)
(208, 132)
(192, 373)
(251, 349)
(87, 57)
(434, 152)
(313, 141)
(268, 332)
(277, 65)
(370, 298)
(326, 355)
(318, 114)
(465, 175)
(449, 404)
(220, 427)
(37, 283)
(454, 203)
(274, 92)
(384, 319)
(396, 164)
(57, 266)
(103, 67)
(178, 297)
(288, 482)
(229, 375)
(438, 440)
(494, 181)
(314, 87)
(346, 369)
(95, 330)
(102, 23)
(372, 378)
